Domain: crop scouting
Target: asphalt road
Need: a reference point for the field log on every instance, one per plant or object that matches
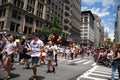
(66, 70)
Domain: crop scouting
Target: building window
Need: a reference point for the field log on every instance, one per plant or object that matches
(2, 13)
(55, 7)
(16, 15)
(48, 9)
(4, 2)
(38, 23)
(48, 1)
(66, 28)
(29, 20)
(40, 6)
(52, 11)
(1, 25)
(85, 24)
(48, 16)
(85, 27)
(51, 18)
(31, 2)
(30, 9)
(27, 30)
(14, 27)
(53, 4)
(85, 34)
(18, 3)
(42, 1)
(39, 14)
(85, 19)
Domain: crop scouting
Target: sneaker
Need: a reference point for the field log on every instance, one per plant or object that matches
(48, 71)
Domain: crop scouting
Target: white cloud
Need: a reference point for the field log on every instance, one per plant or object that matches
(84, 8)
(89, 2)
(105, 3)
(101, 12)
(114, 15)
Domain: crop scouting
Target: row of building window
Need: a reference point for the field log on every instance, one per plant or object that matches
(29, 19)
(4, 2)
(2, 13)
(31, 2)
(27, 30)
(14, 27)
(39, 14)
(18, 3)
(16, 15)
(30, 9)
(40, 6)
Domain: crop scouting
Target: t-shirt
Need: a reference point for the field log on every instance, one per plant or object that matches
(116, 54)
(67, 51)
(9, 47)
(50, 50)
(72, 50)
(36, 45)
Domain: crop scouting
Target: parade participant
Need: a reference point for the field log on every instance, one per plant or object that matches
(26, 57)
(72, 53)
(36, 47)
(55, 54)
(50, 56)
(75, 52)
(2, 45)
(67, 52)
(8, 52)
(116, 64)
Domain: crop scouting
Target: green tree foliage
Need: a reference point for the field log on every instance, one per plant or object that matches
(55, 27)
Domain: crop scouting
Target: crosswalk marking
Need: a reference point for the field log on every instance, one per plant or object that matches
(97, 73)
(73, 60)
(102, 72)
(87, 62)
(93, 64)
(62, 60)
(80, 61)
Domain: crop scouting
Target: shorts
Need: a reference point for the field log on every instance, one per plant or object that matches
(35, 60)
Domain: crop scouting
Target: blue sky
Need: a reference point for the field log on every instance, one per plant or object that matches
(106, 10)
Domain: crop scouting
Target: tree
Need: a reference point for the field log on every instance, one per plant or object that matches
(55, 27)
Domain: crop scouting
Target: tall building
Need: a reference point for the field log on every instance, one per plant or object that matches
(72, 19)
(87, 28)
(117, 25)
(99, 31)
(28, 16)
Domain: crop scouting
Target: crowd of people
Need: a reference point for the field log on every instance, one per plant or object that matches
(38, 52)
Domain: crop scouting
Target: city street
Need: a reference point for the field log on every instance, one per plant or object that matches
(66, 70)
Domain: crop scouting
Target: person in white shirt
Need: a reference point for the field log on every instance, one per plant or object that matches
(8, 53)
(50, 56)
(36, 48)
(55, 54)
(62, 50)
(67, 52)
(72, 52)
